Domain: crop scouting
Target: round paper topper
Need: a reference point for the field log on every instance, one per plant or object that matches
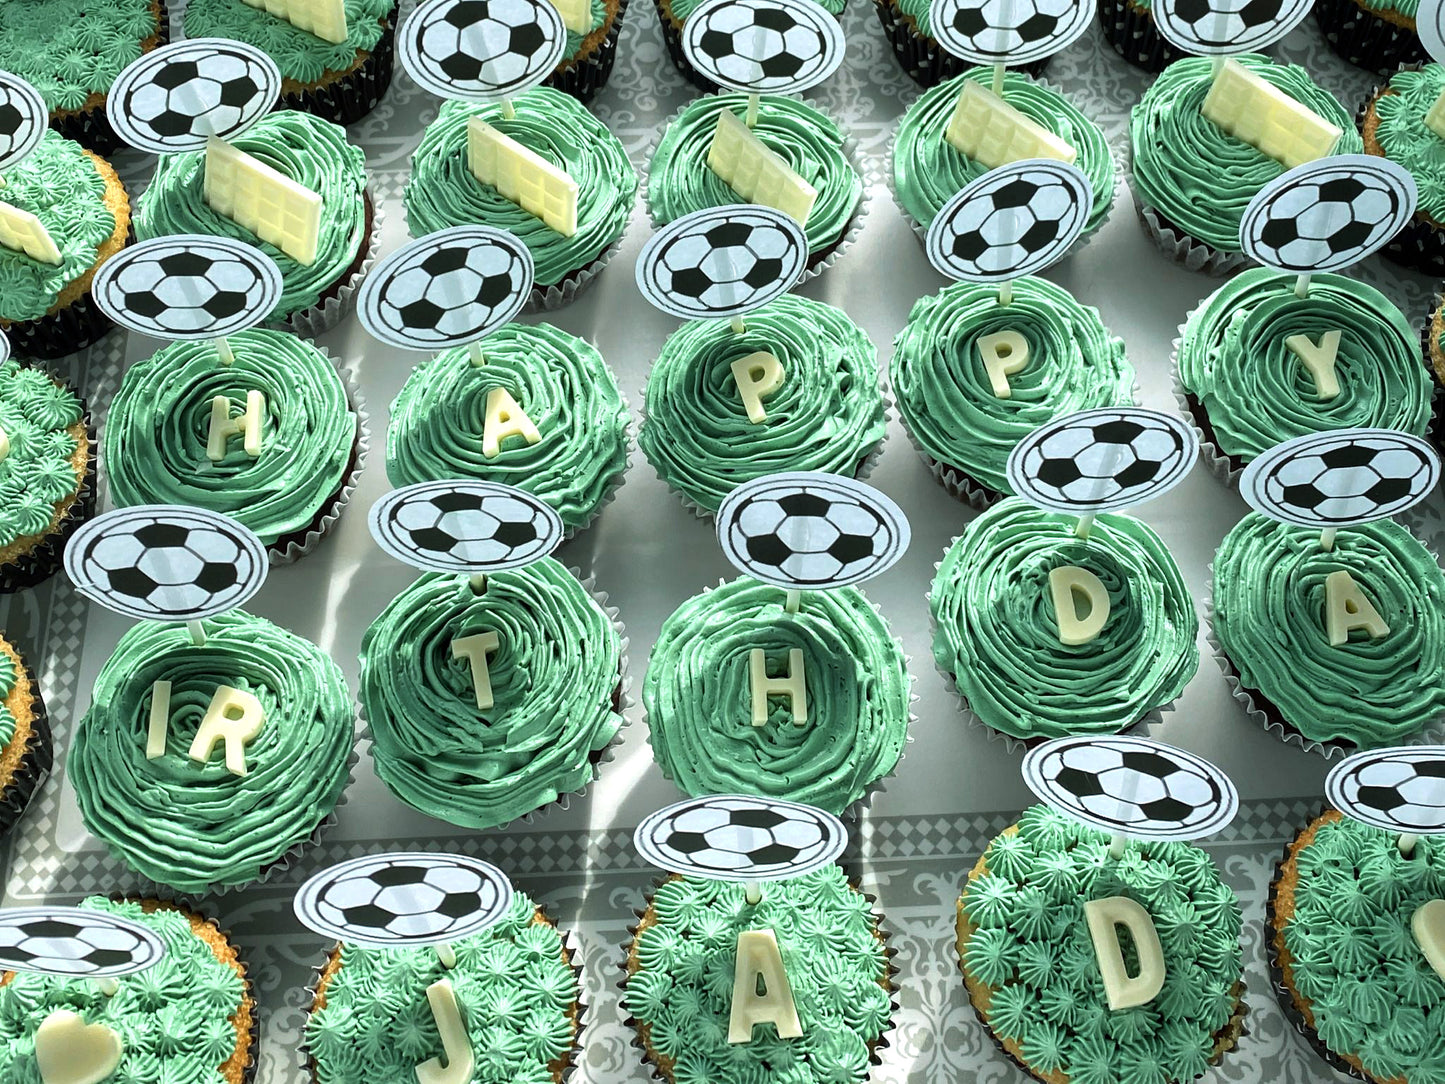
(482, 50)
(175, 97)
(763, 46)
(1399, 789)
(404, 899)
(1010, 222)
(1139, 787)
(1430, 26)
(188, 286)
(722, 261)
(464, 525)
(1227, 27)
(1341, 477)
(162, 562)
(75, 942)
(735, 837)
(1007, 31)
(1102, 460)
(807, 530)
(23, 119)
(1328, 214)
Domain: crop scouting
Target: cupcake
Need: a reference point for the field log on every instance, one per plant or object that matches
(679, 180)
(197, 827)
(570, 448)
(47, 473)
(46, 309)
(673, 13)
(190, 1017)
(680, 967)
(72, 50)
(1242, 380)
(1375, 34)
(163, 444)
(1128, 26)
(1030, 966)
(1432, 337)
(827, 414)
(589, 55)
(481, 743)
(338, 80)
(25, 750)
(1392, 124)
(1192, 180)
(962, 424)
(1269, 626)
(315, 154)
(996, 634)
(370, 1021)
(928, 171)
(443, 192)
(830, 748)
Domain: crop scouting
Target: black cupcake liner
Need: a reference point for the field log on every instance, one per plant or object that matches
(91, 128)
(349, 97)
(1133, 35)
(45, 558)
(35, 762)
(56, 334)
(584, 77)
(925, 62)
(1366, 39)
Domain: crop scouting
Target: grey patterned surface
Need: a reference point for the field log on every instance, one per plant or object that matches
(955, 788)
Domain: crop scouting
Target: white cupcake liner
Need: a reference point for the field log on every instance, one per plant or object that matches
(1180, 247)
(547, 298)
(1209, 453)
(321, 318)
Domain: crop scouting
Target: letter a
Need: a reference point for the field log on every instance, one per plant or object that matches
(1081, 604)
(761, 994)
(505, 418)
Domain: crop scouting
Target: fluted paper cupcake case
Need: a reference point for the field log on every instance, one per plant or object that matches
(349, 97)
(1180, 247)
(34, 764)
(1420, 244)
(920, 56)
(1133, 35)
(46, 557)
(91, 128)
(583, 78)
(1367, 40)
(338, 301)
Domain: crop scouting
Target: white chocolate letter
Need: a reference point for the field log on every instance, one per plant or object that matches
(160, 720)
(456, 1045)
(1255, 111)
(474, 648)
(1074, 588)
(70, 1051)
(234, 717)
(1319, 359)
(1123, 991)
(757, 375)
(761, 994)
(1004, 353)
(1347, 608)
(1428, 926)
(794, 686)
(505, 418)
(247, 426)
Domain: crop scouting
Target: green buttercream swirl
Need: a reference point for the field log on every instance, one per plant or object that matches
(928, 171)
(443, 192)
(554, 677)
(698, 696)
(1403, 137)
(517, 993)
(1269, 618)
(36, 413)
(1195, 175)
(300, 54)
(828, 938)
(173, 1019)
(71, 49)
(312, 152)
(944, 392)
(562, 383)
(828, 415)
(679, 180)
(996, 632)
(197, 827)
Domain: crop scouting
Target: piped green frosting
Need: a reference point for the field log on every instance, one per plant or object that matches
(681, 991)
(173, 1019)
(561, 381)
(1269, 618)
(36, 414)
(1403, 137)
(300, 54)
(517, 993)
(555, 677)
(828, 415)
(1195, 175)
(71, 49)
(197, 827)
(996, 633)
(698, 696)
(944, 392)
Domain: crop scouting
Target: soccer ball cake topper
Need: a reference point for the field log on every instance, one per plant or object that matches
(1227, 27)
(736, 837)
(1102, 460)
(811, 531)
(174, 98)
(1328, 214)
(1132, 786)
(449, 288)
(481, 50)
(763, 46)
(722, 261)
(1007, 31)
(1013, 221)
(404, 899)
(161, 562)
(188, 286)
(23, 119)
(1401, 789)
(75, 942)
(464, 526)
(1341, 477)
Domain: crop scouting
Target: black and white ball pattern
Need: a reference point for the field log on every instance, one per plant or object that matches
(764, 46)
(1227, 27)
(404, 899)
(465, 526)
(74, 942)
(811, 531)
(174, 97)
(1341, 477)
(1136, 786)
(1399, 790)
(740, 838)
(482, 49)
(1013, 221)
(166, 563)
(1007, 31)
(23, 119)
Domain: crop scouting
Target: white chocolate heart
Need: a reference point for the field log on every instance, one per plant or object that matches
(70, 1051)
